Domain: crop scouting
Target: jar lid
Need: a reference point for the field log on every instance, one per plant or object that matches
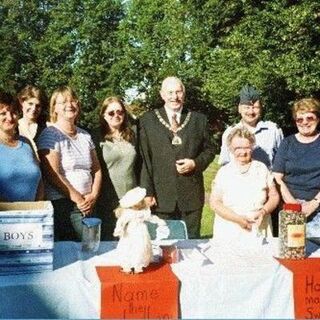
(91, 222)
(292, 206)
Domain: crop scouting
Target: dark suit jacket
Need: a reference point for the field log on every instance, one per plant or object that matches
(159, 175)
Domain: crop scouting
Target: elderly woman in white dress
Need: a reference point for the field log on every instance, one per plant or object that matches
(243, 192)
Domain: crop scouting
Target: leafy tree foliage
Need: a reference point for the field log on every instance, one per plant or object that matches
(53, 43)
(218, 46)
(22, 24)
(215, 46)
(274, 45)
(77, 49)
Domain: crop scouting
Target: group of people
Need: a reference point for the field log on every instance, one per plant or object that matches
(261, 170)
(86, 174)
(165, 152)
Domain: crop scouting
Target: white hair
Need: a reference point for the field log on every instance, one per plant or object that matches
(172, 79)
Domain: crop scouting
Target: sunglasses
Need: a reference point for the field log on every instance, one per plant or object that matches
(307, 119)
(117, 112)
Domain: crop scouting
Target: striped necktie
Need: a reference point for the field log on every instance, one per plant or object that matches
(174, 123)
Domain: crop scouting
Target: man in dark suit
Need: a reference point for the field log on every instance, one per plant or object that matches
(175, 149)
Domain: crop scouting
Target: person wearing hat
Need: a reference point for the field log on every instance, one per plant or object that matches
(175, 149)
(267, 134)
(134, 248)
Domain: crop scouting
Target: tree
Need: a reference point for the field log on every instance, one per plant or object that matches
(78, 49)
(274, 45)
(156, 40)
(22, 24)
(217, 46)
(111, 47)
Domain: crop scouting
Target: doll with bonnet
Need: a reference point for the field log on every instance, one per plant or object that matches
(134, 248)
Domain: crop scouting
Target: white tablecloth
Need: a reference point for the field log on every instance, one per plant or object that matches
(221, 288)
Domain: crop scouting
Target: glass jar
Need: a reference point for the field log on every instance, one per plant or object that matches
(292, 232)
(91, 234)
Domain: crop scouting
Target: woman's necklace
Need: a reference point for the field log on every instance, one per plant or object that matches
(243, 169)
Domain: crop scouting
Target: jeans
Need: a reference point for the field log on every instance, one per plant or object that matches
(313, 226)
(67, 220)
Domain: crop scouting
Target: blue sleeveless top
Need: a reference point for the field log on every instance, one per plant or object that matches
(19, 172)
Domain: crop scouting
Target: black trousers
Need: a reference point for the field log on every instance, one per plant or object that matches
(275, 222)
(191, 218)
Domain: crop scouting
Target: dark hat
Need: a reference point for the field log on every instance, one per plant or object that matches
(249, 95)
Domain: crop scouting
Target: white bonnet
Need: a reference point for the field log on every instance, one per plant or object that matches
(132, 197)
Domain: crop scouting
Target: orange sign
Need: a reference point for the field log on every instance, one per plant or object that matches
(306, 286)
(153, 294)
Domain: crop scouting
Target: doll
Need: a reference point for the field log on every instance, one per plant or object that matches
(134, 247)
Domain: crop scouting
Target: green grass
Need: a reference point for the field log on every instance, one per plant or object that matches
(207, 213)
(210, 173)
(206, 222)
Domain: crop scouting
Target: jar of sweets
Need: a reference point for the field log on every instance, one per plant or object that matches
(292, 232)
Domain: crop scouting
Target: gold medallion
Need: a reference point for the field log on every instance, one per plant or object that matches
(176, 140)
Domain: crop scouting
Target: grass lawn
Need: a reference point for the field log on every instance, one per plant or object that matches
(207, 213)
(206, 222)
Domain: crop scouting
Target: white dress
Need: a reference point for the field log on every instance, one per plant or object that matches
(134, 248)
(245, 194)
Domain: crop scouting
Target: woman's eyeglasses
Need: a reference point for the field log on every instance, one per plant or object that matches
(64, 102)
(117, 112)
(307, 119)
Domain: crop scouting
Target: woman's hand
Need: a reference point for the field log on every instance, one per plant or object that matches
(258, 217)
(245, 223)
(76, 197)
(87, 204)
(309, 207)
(79, 200)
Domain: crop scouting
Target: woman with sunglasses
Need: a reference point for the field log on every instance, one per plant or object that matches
(117, 154)
(297, 163)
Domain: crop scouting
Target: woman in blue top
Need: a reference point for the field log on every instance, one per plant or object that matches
(297, 163)
(20, 177)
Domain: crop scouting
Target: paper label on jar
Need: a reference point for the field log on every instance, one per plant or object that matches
(296, 236)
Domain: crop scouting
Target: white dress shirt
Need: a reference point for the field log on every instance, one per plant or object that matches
(170, 114)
